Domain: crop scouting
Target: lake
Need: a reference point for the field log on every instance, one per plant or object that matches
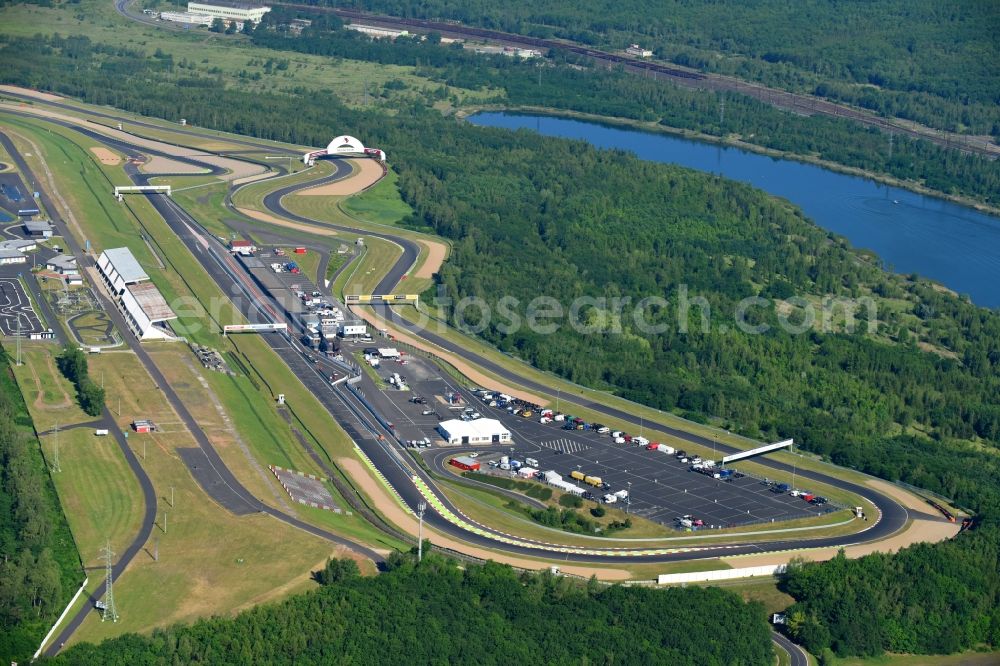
(912, 233)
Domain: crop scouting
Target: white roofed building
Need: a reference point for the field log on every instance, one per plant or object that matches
(479, 431)
(140, 302)
(230, 10)
(64, 264)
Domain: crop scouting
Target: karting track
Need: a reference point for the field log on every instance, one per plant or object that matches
(16, 313)
(366, 429)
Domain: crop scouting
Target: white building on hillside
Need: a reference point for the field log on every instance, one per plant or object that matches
(229, 10)
(187, 18)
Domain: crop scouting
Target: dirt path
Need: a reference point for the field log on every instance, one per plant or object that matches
(437, 252)
(105, 156)
(366, 173)
(408, 523)
(461, 365)
(39, 401)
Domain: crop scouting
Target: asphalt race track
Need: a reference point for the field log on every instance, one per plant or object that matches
(400, 473)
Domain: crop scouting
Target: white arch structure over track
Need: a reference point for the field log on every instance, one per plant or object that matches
(344, 146)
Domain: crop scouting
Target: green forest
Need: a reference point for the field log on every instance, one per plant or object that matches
(437, 613)
(572, 84)
(923, 60)
(926, 599)
(910, 397)
(39, 563)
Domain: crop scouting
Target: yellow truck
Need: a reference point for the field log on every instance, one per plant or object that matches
(593, 480)
(579, 476)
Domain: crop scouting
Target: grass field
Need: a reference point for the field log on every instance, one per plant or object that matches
(201, 52)
(961, 659)
(381, 204)
(50, 397)
(197, 573)
(369, 270)
(99, 494)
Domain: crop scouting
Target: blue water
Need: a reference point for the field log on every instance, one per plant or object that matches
(954, 245)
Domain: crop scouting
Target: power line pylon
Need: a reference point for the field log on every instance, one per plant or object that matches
(110, 611)
(55, 451)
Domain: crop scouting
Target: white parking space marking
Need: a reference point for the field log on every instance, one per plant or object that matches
(565, 445)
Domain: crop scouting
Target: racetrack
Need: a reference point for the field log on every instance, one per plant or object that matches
(400, 475)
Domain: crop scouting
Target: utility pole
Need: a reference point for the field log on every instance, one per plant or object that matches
(18, 342)
(156, 549)
(171, 497)
(164, 522)
(421, 507)
(628, 500)
(110, 611)
(55, 455)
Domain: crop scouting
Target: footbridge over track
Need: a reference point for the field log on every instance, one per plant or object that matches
(139, 189)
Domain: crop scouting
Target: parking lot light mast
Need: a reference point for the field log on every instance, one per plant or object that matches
(628, 499)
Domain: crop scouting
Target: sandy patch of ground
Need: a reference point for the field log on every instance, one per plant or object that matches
(105, 156)
(32, 93)
(918, 531)
(461, 365)
(254, 178)
(408, 523)
(907, 499)
(163, 165)
(366, 173)
(271, 219)
(437, 252)
(237, 169)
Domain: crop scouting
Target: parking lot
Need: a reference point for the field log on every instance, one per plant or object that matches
(16, 309)
(660, 487)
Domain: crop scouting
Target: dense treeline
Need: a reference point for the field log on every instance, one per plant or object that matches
(436, 613)
(39, 564)
(576, 221)
(72, 363)
(573, 87)
(535, 216)
(923, 60)
(927, 599)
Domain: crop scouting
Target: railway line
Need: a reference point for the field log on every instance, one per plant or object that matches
(797, 103)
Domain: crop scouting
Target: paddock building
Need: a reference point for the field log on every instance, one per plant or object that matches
(140, 302)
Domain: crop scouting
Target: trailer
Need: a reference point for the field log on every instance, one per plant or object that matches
(593, 481)
(663, 448)
(579, 476)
